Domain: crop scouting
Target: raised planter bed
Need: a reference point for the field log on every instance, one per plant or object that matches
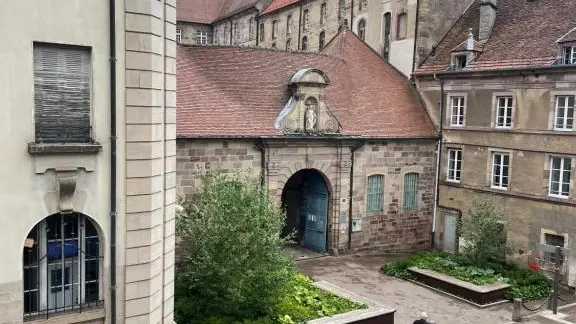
(481, 296)
(376, 313)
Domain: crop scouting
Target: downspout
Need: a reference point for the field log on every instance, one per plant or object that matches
(438, 162)
(416, 35)
(299, 24)
(262, 148)
(113, 212)
(352, 151)
(257, 29)
(352, 15)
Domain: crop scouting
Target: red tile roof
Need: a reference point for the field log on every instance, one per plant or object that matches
(524, 34)
(569, 37)
(208, 11)
(231, 91)
(277, 4)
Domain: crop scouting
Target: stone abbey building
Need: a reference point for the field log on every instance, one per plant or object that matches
(339, 137)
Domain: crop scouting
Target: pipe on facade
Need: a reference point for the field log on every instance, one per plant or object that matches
(352, 15)
(299, 24)
(416, 35)
(113, 212)
(352, 152)
(262, 148)
(438, 162)
(257, 20)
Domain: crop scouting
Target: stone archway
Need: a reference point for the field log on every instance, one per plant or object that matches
(305, 198)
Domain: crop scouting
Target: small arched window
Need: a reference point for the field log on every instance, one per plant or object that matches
(401, 26)
(288, 44)
(321, 40)
(362, 29)
(304, 43)
(62, 265)
(375, 194)
(410, 191)
(274, 45)
(362, 4)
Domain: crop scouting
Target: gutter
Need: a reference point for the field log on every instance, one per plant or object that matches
(113, 211)
(299, 137)
(416, 35)
(262, 148)
(352, 151)
(438, 163)
(532, 69)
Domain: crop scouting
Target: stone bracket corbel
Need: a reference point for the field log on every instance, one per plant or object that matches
(66, 185)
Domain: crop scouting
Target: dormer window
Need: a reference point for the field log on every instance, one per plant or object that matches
(459, 61)
(569, 55)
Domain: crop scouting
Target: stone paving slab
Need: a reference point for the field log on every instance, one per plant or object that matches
(360, 275)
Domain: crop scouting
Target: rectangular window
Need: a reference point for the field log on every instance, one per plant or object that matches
(236, 33)
(560, 173)
(261, 35)
(457, 111)
(178, 35)
(410, 191)
(504, 112)
(201, 37)
(500, 170)
(459, 61)
(251, 28)
(62, 93)
(564, 114)
(289, 25)
(274, 29)
(569, 55)
(323, 13)
(375, 193)
(306, 19)
(554, 240)
(454, 165)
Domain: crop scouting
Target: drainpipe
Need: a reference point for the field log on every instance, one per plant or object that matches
(262, 148)
(438, 162)
(416, 35)
(352, 151)
(352, 16)
(113, 212)
(299, 24)
(257, 19)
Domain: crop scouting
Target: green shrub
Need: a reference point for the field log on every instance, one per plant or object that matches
(525, 283)
(233, 263)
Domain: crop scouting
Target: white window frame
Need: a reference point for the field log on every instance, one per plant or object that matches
(499, 184)
(509, 110)
(564, 127)
(569, 55)
(455, 61)
(461, 112)
(561, 180)
(323, 13)
(453, 160)
(201, 37)
(178, 35)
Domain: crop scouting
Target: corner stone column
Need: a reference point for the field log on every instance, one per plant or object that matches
(150, 160)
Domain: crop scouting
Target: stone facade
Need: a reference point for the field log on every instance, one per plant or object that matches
(236, 30)
(391, 230)
(189, 33)
(531, 212)
(59, 178)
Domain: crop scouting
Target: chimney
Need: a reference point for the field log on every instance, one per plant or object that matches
(470, 41)
(487, 18)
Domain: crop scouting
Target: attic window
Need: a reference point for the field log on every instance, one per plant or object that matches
(569, 55)
(459, 61)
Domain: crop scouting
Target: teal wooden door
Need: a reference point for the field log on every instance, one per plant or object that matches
(315, 213)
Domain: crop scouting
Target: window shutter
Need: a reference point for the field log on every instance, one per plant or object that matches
(62, 94)
(410, 190)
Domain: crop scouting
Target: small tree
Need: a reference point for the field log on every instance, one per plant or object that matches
(484, 233)
(233, 263)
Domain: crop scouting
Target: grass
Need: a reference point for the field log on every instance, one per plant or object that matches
(303, 302)
(525, 283)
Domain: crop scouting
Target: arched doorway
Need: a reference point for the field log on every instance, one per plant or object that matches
(62, 260)
(305, 198)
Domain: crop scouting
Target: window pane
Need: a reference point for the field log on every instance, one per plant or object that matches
(375, 192)
(30, 302)
(31, 278)
(91, 271)
(91, 292)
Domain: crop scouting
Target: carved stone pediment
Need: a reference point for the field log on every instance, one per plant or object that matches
(306, 111)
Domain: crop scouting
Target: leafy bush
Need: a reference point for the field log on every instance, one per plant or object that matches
(483, 232)
(233, 263)
(526, 284)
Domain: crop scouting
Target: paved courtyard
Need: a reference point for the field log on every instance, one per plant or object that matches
(360, 274)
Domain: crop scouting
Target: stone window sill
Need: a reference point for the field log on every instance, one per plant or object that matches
(92, 316)
(63, 148)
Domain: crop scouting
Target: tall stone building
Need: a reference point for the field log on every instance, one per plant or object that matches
(389, 27)
(88, 183)
(353, 166)
(505, 102)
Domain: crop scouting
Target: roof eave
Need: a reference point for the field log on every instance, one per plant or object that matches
(547, 68)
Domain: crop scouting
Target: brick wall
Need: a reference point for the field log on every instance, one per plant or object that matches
(394, 229)
(196, 156)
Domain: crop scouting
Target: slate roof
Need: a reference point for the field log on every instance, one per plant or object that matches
(277, 4)
(233, 91)
(524, 35)
(209, 11)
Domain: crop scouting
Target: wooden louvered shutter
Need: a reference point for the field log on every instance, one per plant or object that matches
(62, 94)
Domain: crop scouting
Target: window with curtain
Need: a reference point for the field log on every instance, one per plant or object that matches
(410, 191)
(375, 193)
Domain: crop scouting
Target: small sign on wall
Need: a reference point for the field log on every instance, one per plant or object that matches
(356, 225)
